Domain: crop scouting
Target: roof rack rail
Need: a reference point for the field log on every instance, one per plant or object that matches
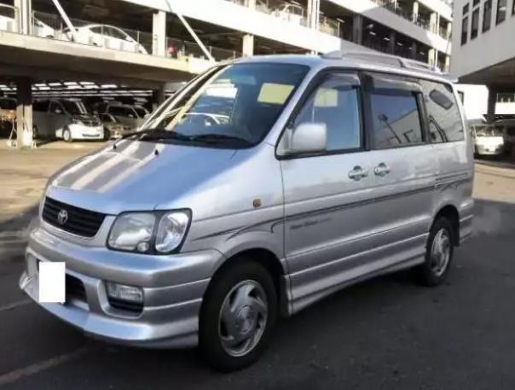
(387, 59)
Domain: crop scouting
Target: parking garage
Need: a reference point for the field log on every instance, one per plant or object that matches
(123, 52)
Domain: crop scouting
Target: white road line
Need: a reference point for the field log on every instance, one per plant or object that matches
(36, 368)
(15, 305)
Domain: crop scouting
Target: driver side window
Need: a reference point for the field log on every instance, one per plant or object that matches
(335, 103)
(55, 108)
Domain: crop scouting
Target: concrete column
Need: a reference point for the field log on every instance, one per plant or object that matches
(447, 63)
(492, 100)
(357, 29)
(391, 42)
(158, 97)
(433, 22)
(23, 16)
(251, 4)
(24, 113)
(432, 57)
(414, 49)
(159, 33)
(415, 11)
(248, 45)
(313, 13)
(449, 30)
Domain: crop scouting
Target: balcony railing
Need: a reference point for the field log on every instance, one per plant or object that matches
(393, 6)
(294, 13)
(51, 26)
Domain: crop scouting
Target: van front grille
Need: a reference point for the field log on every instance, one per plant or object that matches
(72, 219)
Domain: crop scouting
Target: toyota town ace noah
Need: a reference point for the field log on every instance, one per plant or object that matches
(325, 171)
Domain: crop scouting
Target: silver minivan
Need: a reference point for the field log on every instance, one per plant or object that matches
(327, 170)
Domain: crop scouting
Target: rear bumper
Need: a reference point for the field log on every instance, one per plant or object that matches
(169, 318)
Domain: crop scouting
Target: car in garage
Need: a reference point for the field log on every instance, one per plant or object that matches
(128, 115)
(113, 129)
(104, 35)
(8, 23)
(66, 119)
(7, 115)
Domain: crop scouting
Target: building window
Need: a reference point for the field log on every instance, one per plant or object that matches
(513, 9)
(501, 11)
(464, 30)
(465, 9)
(476, 2)
(487, 15)
(475, 24)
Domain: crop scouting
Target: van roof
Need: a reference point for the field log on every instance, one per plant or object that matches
(364, 60)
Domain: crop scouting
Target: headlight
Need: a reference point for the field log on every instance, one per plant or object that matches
(171, 230)
(76, 121)
(149, 232)
(132, 232)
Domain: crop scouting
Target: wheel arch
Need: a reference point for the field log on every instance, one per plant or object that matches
(269, 260)
(451, 212)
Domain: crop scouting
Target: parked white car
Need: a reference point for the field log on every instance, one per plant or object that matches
(106, 36)
(8, 23)
(66, 119)
(7, 18)
(488, 140)
(41, 29)
(290, 12)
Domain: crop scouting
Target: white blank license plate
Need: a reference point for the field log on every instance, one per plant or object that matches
(52, 277)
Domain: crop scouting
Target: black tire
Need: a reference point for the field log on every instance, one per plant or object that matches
(67, 135)
(425, 273)
(210, 340)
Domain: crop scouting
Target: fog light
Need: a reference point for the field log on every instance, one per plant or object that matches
(124, 293)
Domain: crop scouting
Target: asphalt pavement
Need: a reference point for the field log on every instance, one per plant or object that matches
(387, 333)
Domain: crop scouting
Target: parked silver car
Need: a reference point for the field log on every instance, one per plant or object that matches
(327, 171)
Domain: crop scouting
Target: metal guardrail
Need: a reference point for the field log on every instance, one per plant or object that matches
(293, 13)
(393, 6)
(51, 26)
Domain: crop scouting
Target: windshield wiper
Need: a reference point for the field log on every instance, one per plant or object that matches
(217, 138)
(157, 134)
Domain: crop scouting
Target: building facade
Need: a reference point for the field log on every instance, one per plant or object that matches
(484, 51)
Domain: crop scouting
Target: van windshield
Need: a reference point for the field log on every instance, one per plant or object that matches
(233, 105)
(489, 131)
(74, 107)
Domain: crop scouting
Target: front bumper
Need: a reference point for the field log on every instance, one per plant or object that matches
(86, 132)
(173, 287)
(490, 150)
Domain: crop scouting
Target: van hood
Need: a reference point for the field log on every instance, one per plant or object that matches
(136, 176)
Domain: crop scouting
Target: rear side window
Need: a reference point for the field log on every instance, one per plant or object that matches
(119, 111)
(393, 115)
(335, 103)
(445, 124)
(40, 105)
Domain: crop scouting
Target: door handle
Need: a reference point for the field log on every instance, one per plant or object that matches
(382, 170)
(358, 173)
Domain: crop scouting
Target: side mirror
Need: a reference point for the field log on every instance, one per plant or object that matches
(308, 138)
(58, 111)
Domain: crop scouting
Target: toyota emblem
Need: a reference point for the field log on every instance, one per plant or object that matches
(62, 217)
